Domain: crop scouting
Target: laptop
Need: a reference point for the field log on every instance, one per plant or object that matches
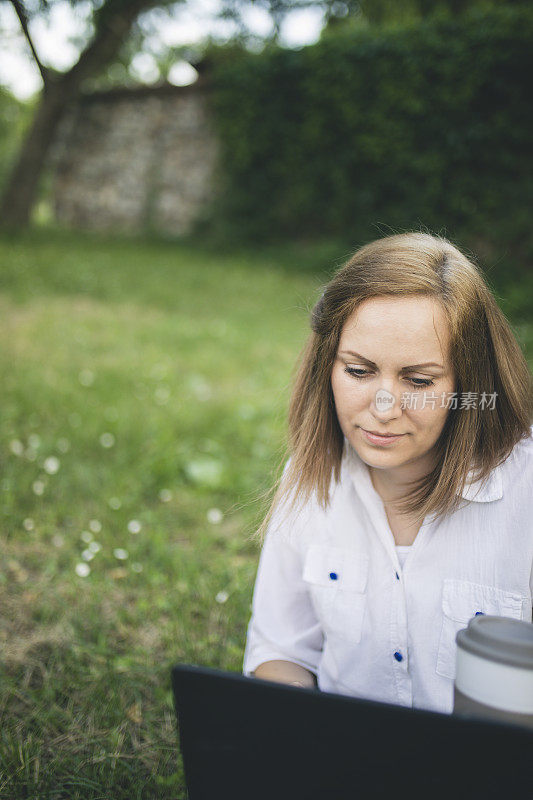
(244, 738)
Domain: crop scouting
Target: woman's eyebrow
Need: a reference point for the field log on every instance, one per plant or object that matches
(403, 369)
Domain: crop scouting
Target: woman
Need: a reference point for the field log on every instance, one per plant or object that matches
(406, 505)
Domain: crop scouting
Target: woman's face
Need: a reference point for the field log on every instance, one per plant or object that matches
(395, 334)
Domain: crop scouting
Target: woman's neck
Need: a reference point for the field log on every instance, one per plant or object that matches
(393, 484)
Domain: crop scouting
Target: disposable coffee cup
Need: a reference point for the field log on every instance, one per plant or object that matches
(494, 675)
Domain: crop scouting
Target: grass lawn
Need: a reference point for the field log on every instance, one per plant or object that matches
(144, 388)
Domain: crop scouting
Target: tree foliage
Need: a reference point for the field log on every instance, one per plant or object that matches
(115, 30)
(421, 125)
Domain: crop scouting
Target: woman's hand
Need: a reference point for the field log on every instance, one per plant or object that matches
(286, 672)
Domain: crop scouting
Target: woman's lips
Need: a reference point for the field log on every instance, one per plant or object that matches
(383, 440)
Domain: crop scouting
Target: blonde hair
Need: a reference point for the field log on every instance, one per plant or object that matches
(484, 352)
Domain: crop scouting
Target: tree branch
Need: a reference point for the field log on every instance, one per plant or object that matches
(114, 21)
(23, 19)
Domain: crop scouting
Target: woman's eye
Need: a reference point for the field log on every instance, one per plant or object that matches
(361, 373)
(355, 372)
(421, 381)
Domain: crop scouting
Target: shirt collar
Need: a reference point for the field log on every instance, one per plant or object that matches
(477, 491)
(484, 492)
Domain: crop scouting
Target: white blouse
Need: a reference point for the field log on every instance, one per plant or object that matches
(331, 593)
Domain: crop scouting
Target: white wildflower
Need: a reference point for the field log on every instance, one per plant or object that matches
(134, 526)
(51, 465)
(16, 447)
(82, 569)
(206, 471)
(34, 441)
(214, 516)
(107, 440)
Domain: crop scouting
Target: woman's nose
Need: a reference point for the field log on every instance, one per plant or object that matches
(386, 404)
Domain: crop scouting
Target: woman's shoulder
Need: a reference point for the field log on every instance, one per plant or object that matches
(517, 469)
(522, 452)
(300, 521)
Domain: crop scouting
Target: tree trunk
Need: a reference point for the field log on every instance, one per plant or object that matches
(115, 18)
(21, 189)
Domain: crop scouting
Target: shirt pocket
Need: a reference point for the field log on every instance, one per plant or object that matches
(337, 579)
(462, 600)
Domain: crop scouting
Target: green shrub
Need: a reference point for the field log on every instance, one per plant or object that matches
(374, 131)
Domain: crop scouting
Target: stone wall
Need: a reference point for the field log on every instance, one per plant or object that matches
(127, 160)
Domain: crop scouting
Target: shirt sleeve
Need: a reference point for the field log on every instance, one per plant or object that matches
(283, 624)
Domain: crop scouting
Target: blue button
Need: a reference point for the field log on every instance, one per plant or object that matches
(333, 576)
(398, 656)
(397, 577)
(480, 612)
